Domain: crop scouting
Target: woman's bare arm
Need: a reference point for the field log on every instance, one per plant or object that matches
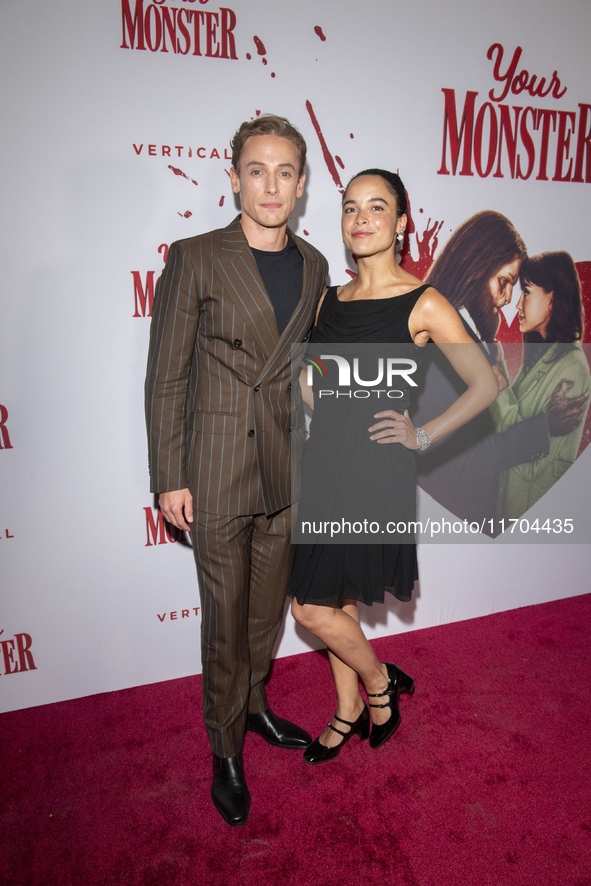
(434, 318)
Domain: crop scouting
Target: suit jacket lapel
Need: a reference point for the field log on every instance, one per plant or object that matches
(239, 274)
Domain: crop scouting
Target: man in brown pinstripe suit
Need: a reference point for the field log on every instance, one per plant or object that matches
(228, 307)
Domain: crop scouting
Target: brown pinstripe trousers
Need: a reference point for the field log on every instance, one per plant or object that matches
(243, 566)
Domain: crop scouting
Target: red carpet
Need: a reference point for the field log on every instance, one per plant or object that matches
(486, 781)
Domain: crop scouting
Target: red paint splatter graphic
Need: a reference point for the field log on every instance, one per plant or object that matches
(351, 274)
(306, 233)
(248, 56)
(318, 30)
(260, 46)
(351, 135)
(186, 214)
(328, 158)
(584, 272)
(222, 198)
(339, 161)
(184, 174)
(258, 113)
(227, 171)
(261, 49)
(427, 245)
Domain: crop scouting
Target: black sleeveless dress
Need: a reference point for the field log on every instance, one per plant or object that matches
(328, 574)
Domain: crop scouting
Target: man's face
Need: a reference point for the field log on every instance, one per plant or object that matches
(500, 288)
(269, 181)
(501, 285)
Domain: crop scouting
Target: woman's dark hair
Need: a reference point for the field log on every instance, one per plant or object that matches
(555, 272)
(474, 253)
(394, 185)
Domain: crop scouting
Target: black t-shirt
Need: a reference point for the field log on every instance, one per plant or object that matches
(283, 275)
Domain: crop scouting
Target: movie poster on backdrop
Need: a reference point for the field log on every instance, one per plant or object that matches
(482, 138)
(497, 468)
(117, 124)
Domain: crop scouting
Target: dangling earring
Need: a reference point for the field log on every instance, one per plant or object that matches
(400, 236)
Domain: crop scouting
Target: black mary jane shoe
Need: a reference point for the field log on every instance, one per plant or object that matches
(398, 682)
(320, 753)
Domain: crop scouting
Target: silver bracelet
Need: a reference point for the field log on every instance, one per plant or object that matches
(423, 439)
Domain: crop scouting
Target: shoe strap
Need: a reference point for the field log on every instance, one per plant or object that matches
(346, 722)
(334, 728)
(387, 704)
(389, 691)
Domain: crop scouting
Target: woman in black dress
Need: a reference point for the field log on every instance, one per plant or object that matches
(382, 304)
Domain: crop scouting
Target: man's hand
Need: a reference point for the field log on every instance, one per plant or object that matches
(177, 507)
(500, 377)
(564, 414)
(497, 352)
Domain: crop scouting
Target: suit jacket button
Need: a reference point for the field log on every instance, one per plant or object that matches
(251, 433)
(258, 387)
(237, 342)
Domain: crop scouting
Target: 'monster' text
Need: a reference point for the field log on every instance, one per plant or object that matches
(516, 140)
(178, 29)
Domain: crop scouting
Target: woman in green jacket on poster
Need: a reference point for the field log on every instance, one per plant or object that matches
(551, 319)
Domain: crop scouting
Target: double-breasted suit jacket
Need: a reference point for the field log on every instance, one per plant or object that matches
(218, 388)
(220, 410)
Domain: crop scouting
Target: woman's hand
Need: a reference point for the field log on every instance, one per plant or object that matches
(307, 392)
(396, 428)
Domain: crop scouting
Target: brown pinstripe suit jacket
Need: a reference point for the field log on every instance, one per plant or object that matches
(219, 371)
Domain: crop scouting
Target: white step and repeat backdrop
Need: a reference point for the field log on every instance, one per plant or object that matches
(116, 118)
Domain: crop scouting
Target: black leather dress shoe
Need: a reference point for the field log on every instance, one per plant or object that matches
(277, 731)
(229, 791)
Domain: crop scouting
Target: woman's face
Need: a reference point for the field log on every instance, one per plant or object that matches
(502, 283)
(534, 309)
(369, 221)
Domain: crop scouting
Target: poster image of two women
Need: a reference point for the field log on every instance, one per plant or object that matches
(495, 468)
